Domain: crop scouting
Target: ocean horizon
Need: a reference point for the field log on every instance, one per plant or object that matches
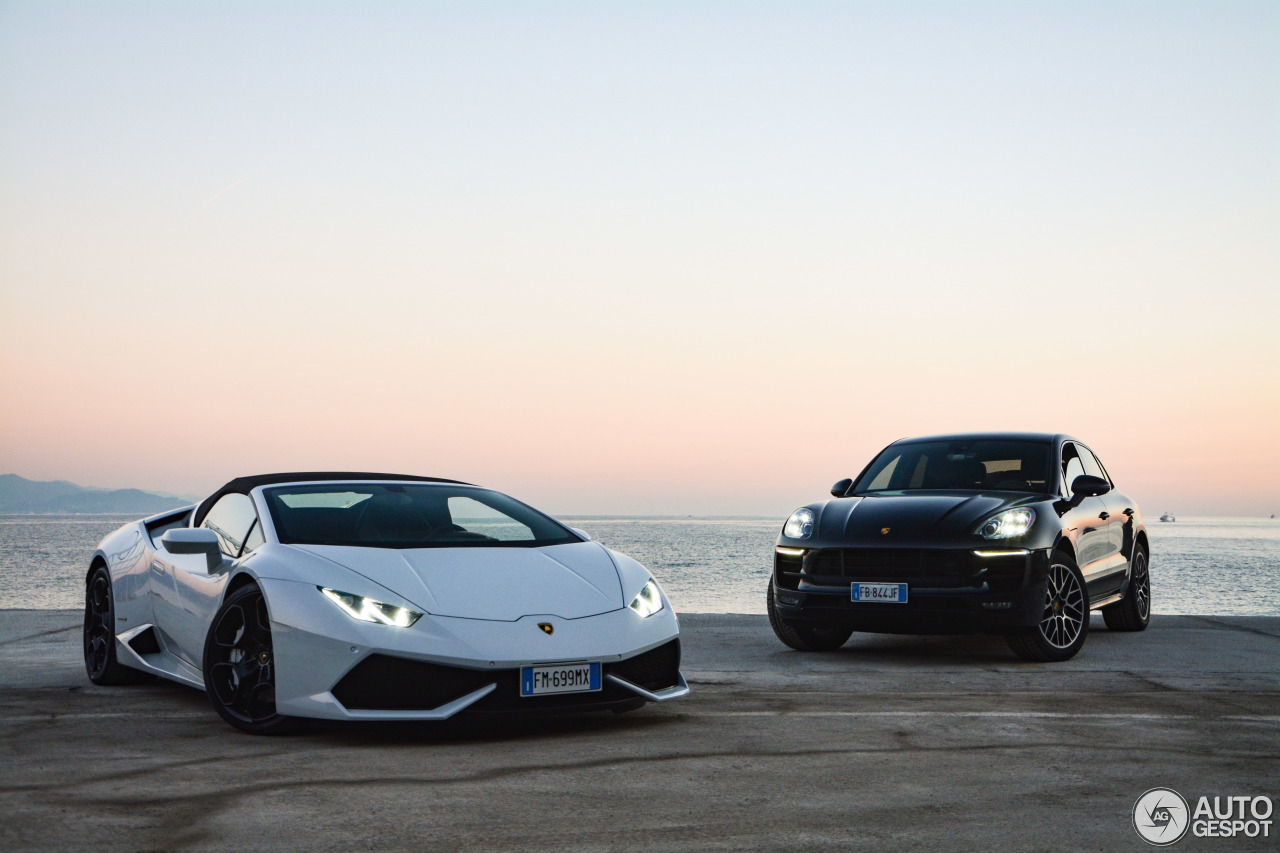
(1224, 565)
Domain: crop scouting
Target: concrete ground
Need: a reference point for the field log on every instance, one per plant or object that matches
(901, 743)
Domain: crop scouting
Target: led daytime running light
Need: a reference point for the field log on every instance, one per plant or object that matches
(1009, 524)
(648, 601)
(368, 610)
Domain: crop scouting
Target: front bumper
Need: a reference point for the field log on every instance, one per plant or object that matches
(388, 684)
(949, 591)
(324, 657)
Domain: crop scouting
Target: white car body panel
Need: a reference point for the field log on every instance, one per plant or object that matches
(314, 653)
(504, 584)
(482, 607)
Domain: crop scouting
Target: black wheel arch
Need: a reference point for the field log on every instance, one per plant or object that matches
(98, 562)
(239, 581)
(1064, 544)
(1139, 542)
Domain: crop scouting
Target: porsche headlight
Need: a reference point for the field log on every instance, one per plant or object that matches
(799, 525)
(648, 601)
(1008, 524)
(368, 610)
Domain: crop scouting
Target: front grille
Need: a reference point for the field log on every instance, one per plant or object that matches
(656, 669)
(937, 568)
(385, 683)
(946, 567)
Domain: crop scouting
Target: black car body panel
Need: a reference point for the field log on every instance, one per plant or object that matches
(957, 580)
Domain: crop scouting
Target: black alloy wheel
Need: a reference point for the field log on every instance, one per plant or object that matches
(1133, 611)
(806, 638)
(239, 664)
(100, 635)
(1064, 625)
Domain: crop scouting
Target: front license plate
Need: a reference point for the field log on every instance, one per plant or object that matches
(559, 678)
(880, 593)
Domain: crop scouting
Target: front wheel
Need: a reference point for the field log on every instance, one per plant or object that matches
(100, 635)
(806, 638)
(1133, 612)
(1064, 624)
(240, 666)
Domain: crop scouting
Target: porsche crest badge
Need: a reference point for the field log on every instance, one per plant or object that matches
(547, 628)
(884, 531)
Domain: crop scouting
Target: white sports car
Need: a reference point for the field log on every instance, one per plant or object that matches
(376, 597)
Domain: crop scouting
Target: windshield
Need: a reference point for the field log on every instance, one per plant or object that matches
(977, 464)
(407, 515)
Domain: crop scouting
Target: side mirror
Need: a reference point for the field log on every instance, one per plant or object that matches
(581, 533)
(194, 540)
(1089, 486)
(841, 487)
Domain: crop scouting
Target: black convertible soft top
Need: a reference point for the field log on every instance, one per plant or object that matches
(244, 485)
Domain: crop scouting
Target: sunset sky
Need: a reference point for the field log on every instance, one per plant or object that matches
(657, 258)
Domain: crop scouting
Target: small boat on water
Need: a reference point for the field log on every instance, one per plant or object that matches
(1168, 516)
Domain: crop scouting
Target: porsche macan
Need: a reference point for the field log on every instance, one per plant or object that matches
(1020, 534)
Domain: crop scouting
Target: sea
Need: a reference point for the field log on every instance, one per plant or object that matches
(1208, 566)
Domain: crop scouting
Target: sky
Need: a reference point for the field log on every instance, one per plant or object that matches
(639, 257)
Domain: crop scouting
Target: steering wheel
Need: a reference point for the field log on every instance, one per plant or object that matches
(457, 534)
(1012, 486)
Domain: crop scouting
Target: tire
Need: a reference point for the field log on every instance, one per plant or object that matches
(100, 635)
(239, 665)
(1065, 624)
(1133, 612)
(806, 638)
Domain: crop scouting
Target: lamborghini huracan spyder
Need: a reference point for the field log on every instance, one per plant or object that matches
(376, 597)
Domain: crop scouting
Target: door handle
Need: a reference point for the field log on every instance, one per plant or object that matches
(1104, 515)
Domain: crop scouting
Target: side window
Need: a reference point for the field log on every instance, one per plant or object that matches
(1091, 466)
(231, 518)
(1072, 467)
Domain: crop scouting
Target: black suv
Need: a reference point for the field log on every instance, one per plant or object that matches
(1021, 534)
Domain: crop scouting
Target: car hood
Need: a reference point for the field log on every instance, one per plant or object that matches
(504, 584)
(909, 516)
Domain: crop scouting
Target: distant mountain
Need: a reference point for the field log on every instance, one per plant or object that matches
(20, 495)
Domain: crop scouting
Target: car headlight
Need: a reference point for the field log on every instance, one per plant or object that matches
(1008, 524)
(648, 601)
(799, 525)
(368, 610)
